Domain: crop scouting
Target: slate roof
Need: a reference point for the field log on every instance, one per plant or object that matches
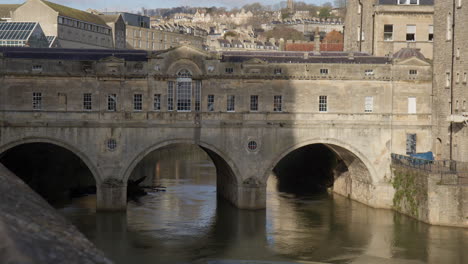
(408, 53)
(75, 13)
(298, 57)
(395, 2)
(5, 10)
(72, 54)
(109, 18)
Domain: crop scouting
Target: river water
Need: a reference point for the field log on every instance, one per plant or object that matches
(186, 224)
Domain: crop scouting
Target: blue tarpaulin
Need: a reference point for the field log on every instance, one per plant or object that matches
(426, 155)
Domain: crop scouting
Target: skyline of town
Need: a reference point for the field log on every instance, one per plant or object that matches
(135, 5)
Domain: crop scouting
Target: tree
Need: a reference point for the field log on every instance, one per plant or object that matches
(284, 32)
(254, 8)
(339, 3)
(325, 12)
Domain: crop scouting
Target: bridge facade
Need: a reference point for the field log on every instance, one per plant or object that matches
(246, 111)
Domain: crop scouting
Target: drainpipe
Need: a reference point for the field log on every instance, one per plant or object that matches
(452, 76)
(361, 29)
(373, 33)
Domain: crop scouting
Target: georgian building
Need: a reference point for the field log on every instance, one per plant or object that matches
(383, 27)
(450, 116)
(71, 28)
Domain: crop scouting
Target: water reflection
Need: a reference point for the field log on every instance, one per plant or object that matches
(186, 224)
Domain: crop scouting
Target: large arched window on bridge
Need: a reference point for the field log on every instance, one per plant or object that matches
(186, 92)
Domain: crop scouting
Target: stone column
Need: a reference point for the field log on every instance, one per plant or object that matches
(112, 195)
(250, 194)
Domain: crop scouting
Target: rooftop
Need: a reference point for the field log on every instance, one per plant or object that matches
(72, 54)
(75, 13)
(6, 9)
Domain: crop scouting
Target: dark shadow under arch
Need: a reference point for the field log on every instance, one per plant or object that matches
(54, 172)
(315, 167)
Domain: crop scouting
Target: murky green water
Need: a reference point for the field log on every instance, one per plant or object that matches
(186, 224)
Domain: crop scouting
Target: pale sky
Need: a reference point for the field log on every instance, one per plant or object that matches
(127, 5)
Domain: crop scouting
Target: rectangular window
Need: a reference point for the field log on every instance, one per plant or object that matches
(410, 143)
(157, 102)
(37, 101)
(229, 70)
(449, 26)
(137, 102)
(324, 71)
(411, 105)
(277, 103)
(447, 79)
(431, 33)
(111, 102)
(408, 2)
(170, 96)
(254, 103)
(369, 72)
(211, 101)
(413, 72)
(388, 32)
(369, 104)
(87, 101)
(231, 103)
(197, 95)
(465, 76)
(184, 96)
(278, 71)
(323, 103)
(410, 32)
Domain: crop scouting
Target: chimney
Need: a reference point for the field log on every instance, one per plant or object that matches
(317, 41)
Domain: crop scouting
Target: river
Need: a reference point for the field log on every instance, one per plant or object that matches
(186, 224)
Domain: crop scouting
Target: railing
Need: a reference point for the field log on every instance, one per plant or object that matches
(451, 171)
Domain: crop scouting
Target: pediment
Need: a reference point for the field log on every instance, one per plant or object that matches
(112, 59)
(413, 61)
(184, 51)
(255, 61)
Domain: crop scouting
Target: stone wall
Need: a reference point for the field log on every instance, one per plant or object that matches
(33, 232)
(429, 197)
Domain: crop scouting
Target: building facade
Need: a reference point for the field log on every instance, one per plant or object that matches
(247, 110)
(450, 80)
(383, 27)
(72, 28)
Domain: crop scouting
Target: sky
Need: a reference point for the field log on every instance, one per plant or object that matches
(129, 5)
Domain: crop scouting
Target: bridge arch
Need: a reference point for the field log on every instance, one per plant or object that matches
(354, 159)
(57, 142)
(224, 165)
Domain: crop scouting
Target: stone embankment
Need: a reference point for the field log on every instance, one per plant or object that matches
(31, 231)
(430, 192)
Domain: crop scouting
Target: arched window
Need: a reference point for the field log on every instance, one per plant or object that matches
(184, 90)
(184, 73)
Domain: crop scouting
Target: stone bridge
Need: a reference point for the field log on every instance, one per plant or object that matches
(112, 110)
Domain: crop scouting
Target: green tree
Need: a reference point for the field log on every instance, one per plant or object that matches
(285, 33)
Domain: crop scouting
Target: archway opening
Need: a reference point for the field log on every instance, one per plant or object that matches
(316, 168)
(54, 172)
(180, 163)
(307, 170)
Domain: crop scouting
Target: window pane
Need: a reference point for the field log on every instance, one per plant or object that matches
(210, 106)
(254, 103)
(184, 96)
(231, 102)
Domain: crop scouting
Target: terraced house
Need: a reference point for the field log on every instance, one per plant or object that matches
(66, 27)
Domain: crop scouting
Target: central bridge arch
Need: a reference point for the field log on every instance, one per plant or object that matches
(226, 170)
